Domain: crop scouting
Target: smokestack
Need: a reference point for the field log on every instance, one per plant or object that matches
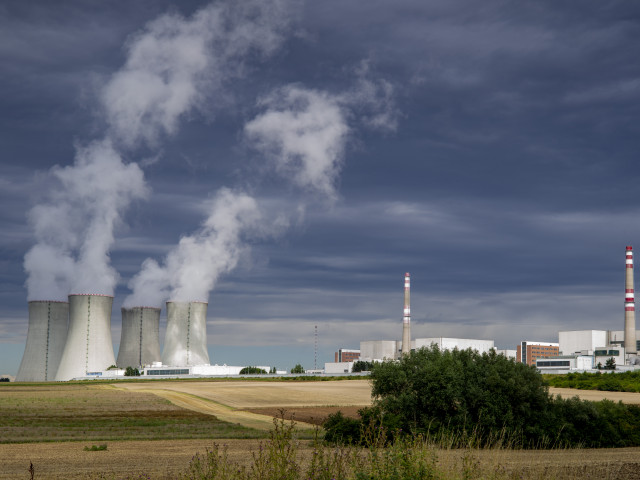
(406, 319)
(629, 307)
(185, 342)
(88, 347)
(48, 323)
(140, 339)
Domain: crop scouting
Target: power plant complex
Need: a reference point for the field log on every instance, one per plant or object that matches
(67, 340)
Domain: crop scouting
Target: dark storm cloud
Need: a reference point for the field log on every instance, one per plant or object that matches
(508, 188)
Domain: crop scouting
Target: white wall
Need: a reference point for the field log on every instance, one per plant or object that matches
(378, 350)
(338, 367)
(576, 341)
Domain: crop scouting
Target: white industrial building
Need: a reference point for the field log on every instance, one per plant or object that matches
(380, 350)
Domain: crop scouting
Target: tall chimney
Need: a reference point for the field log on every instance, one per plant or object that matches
(406, 319)
(629, 307)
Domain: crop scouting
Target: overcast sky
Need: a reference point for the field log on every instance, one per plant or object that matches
(291, 163)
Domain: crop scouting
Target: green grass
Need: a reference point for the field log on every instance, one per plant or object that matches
(609, 382)
(77, 412)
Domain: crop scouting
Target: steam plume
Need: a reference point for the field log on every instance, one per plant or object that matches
(190, 271)
(176, 62)
(172, 65)
(75, 230)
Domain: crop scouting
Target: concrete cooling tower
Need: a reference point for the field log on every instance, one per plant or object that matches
(88, 347)
(48, 322)
(185, 342)
(140, 339)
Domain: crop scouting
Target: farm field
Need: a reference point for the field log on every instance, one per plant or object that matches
(155, 428)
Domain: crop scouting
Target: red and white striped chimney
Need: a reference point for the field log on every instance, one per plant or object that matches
(406, 319)
(629, 306)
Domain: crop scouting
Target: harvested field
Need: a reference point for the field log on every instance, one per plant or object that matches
(310, 415)
(249, 394)
(596, 395)
(61, 412)
(163, 460)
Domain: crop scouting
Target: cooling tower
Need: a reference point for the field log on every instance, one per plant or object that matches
(185, 342)
(629, 307)
(48, 322)
(88, 347)
(406, 319)
(140, 339)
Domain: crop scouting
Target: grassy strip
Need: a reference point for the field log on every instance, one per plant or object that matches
(608, 382)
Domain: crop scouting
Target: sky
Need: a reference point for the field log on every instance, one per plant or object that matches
(289, 161)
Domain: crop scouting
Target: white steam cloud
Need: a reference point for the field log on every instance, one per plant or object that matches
(304, 132)
(175, 63)
(172, 66)
(190, 271)
(74, 230)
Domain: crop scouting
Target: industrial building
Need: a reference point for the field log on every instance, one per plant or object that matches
(88, 347)
(185, 341)
(346, 355)
(140, 337)
(46, 337)
(528, 352)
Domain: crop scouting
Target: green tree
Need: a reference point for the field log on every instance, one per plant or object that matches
(362, 366)
(431, 390)
(273, 370)
(610, 364)
(131, 372)
(297, 369)
(252, 370)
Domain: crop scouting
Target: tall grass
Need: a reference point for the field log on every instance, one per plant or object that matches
(416, 458)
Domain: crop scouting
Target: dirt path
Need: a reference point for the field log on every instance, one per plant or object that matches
(222, 412)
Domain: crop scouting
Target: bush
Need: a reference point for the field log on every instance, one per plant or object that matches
(343, 430)
(252, 370)
(96, 448)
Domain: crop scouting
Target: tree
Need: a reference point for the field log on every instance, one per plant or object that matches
(362, 366)
(610, 364)
(431, 390)
(273, 370)
(252, 370)
(131, 372)
(297, 369)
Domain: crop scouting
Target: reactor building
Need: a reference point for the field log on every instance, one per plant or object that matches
(140, 337)
(46, 337)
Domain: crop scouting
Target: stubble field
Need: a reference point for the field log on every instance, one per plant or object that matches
(154, 428)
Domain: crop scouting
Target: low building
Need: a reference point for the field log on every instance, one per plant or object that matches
(528, 352)
(565, 363)
(338, 367)
(346, 355)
